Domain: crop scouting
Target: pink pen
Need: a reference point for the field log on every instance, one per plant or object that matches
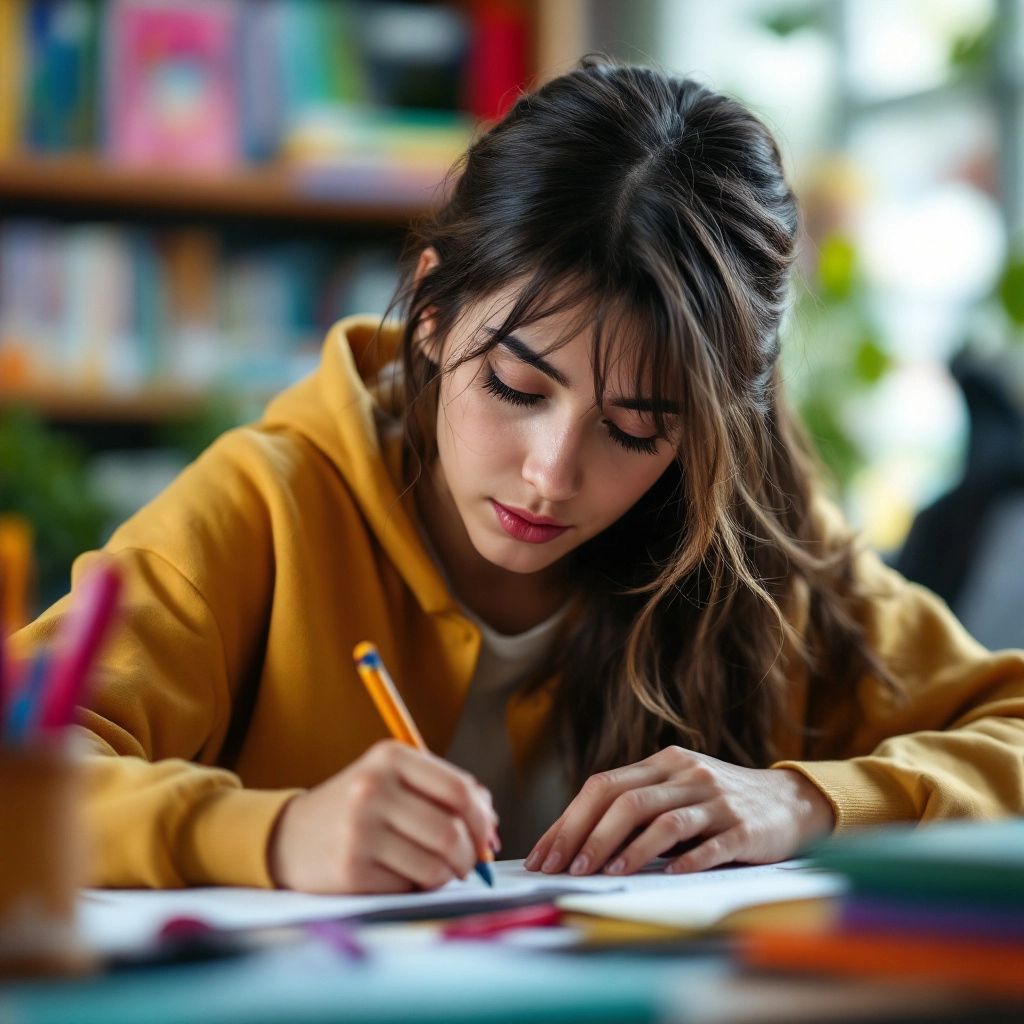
(489, 925)
(78, 643)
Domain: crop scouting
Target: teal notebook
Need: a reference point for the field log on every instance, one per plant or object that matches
(974, 860)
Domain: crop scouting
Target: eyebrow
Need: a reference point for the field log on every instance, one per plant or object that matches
(523, 352)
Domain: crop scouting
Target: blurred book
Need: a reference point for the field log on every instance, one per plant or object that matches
(61, 60)
(414, 54)
(939, 902)
(104, 308)
(171, 84)
(498, 57)
(12, 72)
(190, 83)
(956, 860)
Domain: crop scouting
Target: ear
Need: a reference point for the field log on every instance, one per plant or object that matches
(428, 261)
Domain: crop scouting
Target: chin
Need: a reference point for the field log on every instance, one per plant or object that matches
(516, 556)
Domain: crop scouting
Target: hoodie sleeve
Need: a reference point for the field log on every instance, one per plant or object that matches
(951, 746)
(197, 567)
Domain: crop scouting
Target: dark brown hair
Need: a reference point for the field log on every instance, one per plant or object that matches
(659, 209)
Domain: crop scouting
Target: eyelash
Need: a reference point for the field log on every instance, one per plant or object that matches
(500, 390)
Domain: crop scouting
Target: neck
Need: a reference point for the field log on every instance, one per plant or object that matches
(510, 602)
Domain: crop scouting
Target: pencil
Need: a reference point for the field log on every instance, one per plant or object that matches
(16, 558)
(396, 717)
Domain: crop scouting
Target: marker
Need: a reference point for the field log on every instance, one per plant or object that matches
(23, 713)
(485, 926)
(78, 643)
(396, 717)
(6, 689)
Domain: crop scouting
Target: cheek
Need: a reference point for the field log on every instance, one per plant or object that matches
(620, 488)
(471, 432)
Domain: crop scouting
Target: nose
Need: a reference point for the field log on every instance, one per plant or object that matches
(553, 465)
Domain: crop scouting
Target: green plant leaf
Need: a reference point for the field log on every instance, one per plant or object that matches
(44, 478)
(837, 267)
(871, 362)
(1011, 289)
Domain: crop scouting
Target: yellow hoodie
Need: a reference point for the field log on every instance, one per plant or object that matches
(229, 685)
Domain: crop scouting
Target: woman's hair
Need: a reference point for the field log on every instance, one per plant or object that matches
(659, 211)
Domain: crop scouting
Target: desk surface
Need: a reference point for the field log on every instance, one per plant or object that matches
(459, 983)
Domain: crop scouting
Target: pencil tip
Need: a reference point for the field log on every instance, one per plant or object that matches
(483, 869)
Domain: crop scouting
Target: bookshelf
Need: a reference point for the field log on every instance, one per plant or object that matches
(85, 181)
(268, 196)
(75, 405)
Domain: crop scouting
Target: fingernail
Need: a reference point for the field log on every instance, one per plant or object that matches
(617, 866)
(531, 862)
(553, 861)
(495, 842)
(579, 865)
(671, 868)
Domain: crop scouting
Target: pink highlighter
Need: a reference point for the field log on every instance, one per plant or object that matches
(78, 644)
(491, 925)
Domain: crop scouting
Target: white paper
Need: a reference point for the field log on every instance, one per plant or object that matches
(701, 900)
(118, 920)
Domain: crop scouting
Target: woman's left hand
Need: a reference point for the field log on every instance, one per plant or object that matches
(756, 816)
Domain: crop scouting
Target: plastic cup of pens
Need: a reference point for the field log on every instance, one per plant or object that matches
(41, 843)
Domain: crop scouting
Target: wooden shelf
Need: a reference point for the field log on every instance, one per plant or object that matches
(71, 405)
(261, 192)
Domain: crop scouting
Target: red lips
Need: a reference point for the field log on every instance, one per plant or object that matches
(522, 525)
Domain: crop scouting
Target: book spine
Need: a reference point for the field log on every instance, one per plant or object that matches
(13, 39)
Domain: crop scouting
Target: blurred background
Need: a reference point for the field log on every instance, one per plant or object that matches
(192, 192)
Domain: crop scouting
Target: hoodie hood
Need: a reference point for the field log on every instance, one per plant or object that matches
(349, 413)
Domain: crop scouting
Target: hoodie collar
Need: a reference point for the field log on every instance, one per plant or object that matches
(346, 410)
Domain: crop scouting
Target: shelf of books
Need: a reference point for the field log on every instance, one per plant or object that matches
(191, 191)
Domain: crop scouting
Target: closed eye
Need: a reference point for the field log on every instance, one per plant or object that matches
(632, 443)
(501, 390)
(524, 399)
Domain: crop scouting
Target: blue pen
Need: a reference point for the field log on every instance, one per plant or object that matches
(24, 710)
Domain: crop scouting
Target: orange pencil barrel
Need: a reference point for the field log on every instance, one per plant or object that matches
(385, 696)
(15, 571)
(396, 717)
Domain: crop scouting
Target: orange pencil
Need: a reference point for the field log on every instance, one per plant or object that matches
(392, 709)
(16, 559)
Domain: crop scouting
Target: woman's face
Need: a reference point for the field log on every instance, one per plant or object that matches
(533, 465)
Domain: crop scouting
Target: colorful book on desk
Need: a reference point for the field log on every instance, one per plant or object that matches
(993, 968)
(956, 860)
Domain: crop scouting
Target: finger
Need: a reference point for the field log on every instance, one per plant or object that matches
(588, 807)
(420, 866)
(452, 788)
(379, 880)
(712, 853)
(671, 827)
(438, 830)
(536, 856)
(630, 810)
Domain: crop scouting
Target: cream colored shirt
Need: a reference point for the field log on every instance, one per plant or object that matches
(526, 806)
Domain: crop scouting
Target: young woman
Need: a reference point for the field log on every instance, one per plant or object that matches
(566, 499)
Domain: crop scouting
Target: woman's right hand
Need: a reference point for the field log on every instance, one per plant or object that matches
(394, 820)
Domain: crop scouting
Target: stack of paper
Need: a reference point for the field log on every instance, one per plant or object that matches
(118, 921)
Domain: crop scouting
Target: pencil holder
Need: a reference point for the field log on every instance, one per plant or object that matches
(40, 861)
